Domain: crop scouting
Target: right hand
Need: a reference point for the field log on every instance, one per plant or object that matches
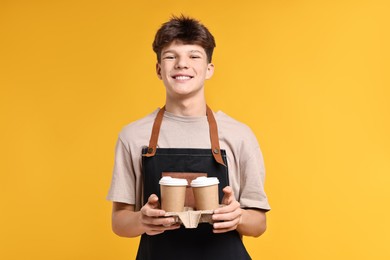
(153, 220)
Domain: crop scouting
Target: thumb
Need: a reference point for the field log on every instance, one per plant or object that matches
(229, 195)
(153, 201)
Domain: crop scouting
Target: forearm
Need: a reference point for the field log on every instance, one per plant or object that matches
(252, 223)
(126, 223)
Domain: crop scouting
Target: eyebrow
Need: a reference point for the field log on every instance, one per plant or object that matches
(191, 51)
(196, 51)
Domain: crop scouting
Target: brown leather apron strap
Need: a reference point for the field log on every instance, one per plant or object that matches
(155, 132)
(213, 135)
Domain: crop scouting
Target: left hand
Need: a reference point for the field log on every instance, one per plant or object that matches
(228, 217)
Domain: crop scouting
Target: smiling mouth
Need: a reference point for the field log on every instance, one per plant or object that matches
(182, 77)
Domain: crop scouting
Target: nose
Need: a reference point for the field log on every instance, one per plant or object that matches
(181, 63)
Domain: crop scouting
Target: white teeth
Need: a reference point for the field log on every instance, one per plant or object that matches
(182, 77)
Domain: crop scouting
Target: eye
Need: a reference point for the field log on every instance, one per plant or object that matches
(169, 57)
(195, 57)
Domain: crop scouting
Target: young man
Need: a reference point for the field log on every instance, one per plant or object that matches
(186, 136)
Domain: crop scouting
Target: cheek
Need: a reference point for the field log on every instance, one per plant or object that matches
(163, 73)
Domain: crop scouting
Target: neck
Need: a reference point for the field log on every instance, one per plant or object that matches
(186, 107)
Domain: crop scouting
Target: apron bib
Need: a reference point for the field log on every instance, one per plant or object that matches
(188, 244)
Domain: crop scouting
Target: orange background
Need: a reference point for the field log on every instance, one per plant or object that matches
(311, 78)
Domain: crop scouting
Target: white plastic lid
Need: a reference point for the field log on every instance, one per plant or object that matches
(204, 181)
(169, 181)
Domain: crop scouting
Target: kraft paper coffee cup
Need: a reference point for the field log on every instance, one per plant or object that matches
(206, 193)
(173, 194)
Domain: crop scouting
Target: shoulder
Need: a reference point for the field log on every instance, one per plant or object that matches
(138, 130)
(236, 136)
(231, 126)
(242, 147)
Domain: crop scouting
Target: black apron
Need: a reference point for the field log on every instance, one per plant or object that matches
(187, 244)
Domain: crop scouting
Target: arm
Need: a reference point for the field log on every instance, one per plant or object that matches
(129, 223)
(248, 222)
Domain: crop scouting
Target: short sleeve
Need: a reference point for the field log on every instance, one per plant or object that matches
(122, 187)
(252, 174)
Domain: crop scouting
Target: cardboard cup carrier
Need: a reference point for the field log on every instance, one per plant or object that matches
(173, 192)
(173, 200)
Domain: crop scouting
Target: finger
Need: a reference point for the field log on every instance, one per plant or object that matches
(227, 216)
(151, 208)
(227, 189)
(219, 231)
(172, 227)
(221, 227)
(153, 201)
(229, 195)
(158, 221)
(234, 205)
(146, 210)
(152, 233)
(162, 228)
(154, 230)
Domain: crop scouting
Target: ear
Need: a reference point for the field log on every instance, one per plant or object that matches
(210, 70)
(158, 70)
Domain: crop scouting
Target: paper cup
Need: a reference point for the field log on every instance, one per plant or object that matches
(205, 193)
(173, 194)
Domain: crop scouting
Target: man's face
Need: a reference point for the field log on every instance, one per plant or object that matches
(184, 69)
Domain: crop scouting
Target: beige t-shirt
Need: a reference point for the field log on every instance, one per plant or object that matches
(245, 160)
